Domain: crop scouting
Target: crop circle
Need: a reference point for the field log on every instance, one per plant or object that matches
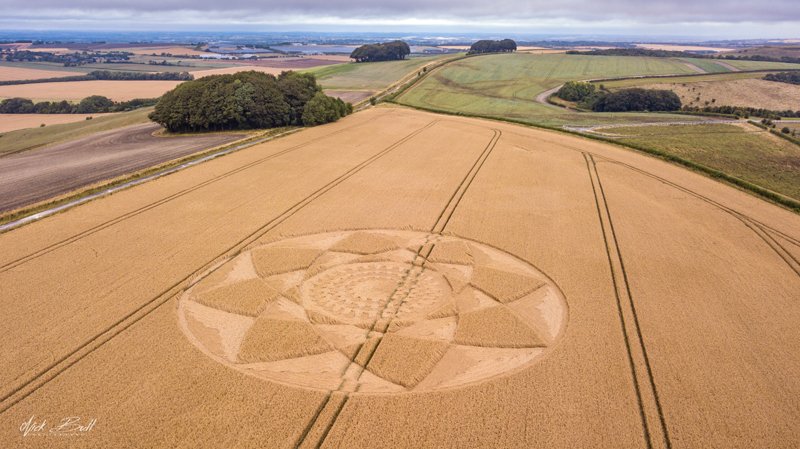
(378, 311)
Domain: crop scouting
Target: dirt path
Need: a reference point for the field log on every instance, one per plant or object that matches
(727, 66)
(694, 67)
(542, 97)
(36, 175)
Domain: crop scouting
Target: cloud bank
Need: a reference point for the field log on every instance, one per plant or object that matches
(621, 14)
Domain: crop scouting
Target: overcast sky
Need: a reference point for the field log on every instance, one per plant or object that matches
(701, 18)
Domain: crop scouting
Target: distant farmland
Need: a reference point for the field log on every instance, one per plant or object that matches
(76, 90)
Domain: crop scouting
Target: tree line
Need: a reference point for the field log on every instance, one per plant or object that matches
(492, 46)
(784, 77)
(589, 97)
(681, 54)
(111, 76)
(94, 104)
(744, 111)
(387, 51)
(68, 59)
(247, 100)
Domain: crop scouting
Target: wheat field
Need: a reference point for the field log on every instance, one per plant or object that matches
(406, 279)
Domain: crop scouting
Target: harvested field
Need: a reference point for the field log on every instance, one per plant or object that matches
(755, 93)
(77, 90)
(676, 47)
(273, 66)
(13, 122)
(19, 73)
(32, 176)
(667, 299)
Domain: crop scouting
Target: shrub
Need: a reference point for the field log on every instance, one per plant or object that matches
(786, 130)
(784, 77)
(576, 91)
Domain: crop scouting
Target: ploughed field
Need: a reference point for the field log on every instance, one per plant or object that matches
(405, 279)
(28, 177)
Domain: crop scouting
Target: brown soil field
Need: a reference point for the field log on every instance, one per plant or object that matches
(293, 63)
(35, 175)
(756, 93)
(18, 73)
(273, 66)
(351, 96)
(11, 122)
(77, 90)
(237, 69)
(405, 279)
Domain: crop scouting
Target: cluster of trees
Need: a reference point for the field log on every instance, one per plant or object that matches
(387, 51)
(763, 58)
(94, 104)
(108, 75)
(69, 59)
(634, 52)
(784, 77)
(576, 91)
(492, 46)
(637, 100)
(743, 111)
(247, 100)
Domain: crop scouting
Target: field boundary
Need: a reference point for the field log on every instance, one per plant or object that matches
(47, 374)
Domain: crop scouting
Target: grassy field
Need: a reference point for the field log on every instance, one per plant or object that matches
(743, 151)
(13, 122)
(506, 86)
(760, 65)
(706, 64)
(372, 76)
(23, 139)
(403, 279)
(729, 76)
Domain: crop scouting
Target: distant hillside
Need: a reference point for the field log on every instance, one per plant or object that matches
(783, 51)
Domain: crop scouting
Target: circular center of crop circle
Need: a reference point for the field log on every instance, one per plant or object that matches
(378, 311)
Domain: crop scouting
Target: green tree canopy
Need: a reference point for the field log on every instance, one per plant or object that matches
(244, 100)
(388, 51)
(491, 46)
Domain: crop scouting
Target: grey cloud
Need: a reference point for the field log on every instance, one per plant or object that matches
(731, 11)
